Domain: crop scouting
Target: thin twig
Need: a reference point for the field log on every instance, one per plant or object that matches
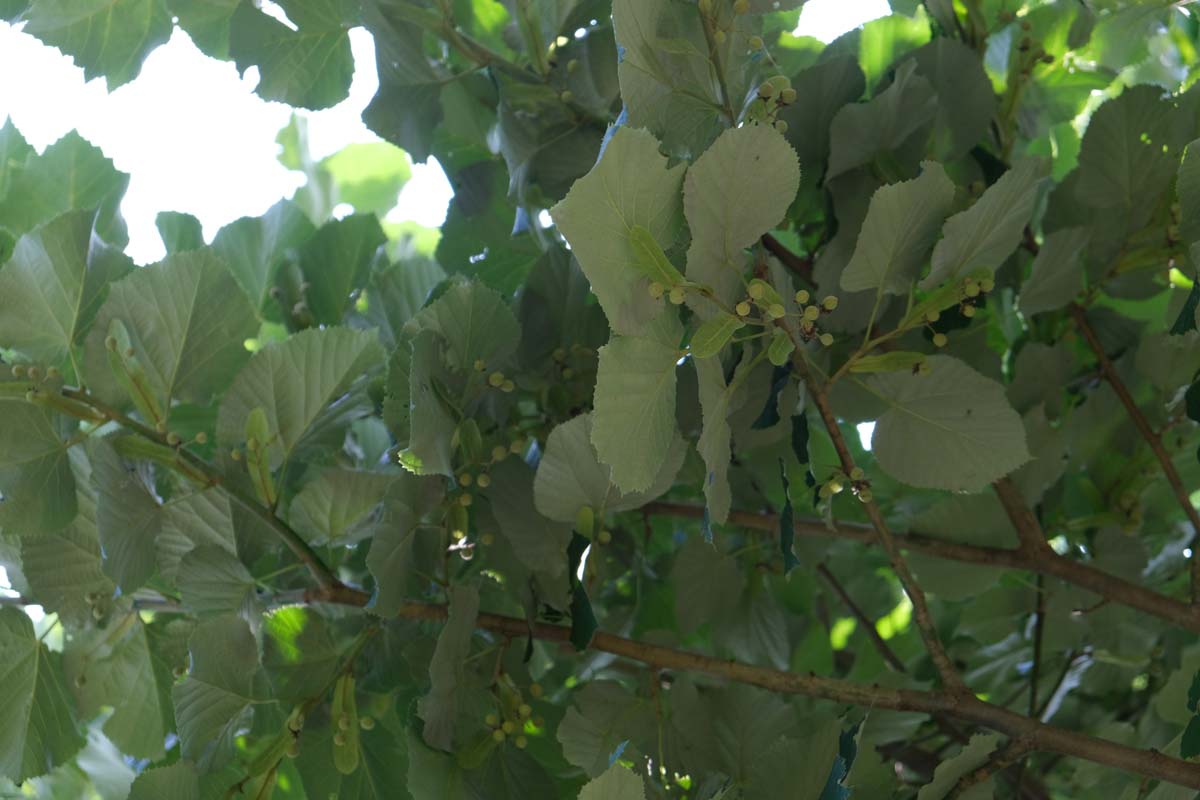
(868, 625)
(1150, 435)
(1002, 759)
(800, 265)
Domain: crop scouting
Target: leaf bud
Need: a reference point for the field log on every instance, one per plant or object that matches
(677, 295)
(756, 43)
(812, 313)
(742, 309)
(940, 340)
(829, 303)
(826, 339)
(776, 311)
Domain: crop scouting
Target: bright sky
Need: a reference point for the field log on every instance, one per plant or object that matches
(194, 137)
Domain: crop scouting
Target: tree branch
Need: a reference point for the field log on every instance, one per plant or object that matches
(799, 265)
(1149, 434)
(294, 541)
(1029, 530)
(916, 595)
(1000, 760)
(962, 706)
(1050, 564)
(868, 624)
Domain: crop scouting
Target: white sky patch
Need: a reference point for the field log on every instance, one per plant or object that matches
(828, 19)
(865, 431)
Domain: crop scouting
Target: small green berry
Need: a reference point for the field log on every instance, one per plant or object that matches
(491, 720)
(484, 480)
(517, 447)
(826, 339)
(656, 290)
(535, 690)
(776, 311)
(235, 454)
(499, 453)
(464, 500)
(969, 311)
(812, 313)
(344, 722)
(767, 91)
(604, 537)
(508, 726)
(933, 315)
(508, 386)
(781, 125)
(479, 365)
(487, 539)
(31, 395)
(741, 6)
(787, 96)
(677, 295)
(201, 438)
(987, 284)
(971, 289)
(465, 479)
(719, 37)
(567, 96)
(829, 303)
(865, 496)
(940, 340)
(173, 439)
(496, 379)
(835, 486)
(802, 296)
(756, 43)
(525, 710)
(339, 739)
(573, 65)
(742, 309)
(857, 474)
(521, 742)
(53, 373)
(498, 735)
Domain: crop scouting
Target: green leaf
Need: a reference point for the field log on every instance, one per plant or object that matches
(215, 701)
(439, 708)
(739, 189)
(650, 259)
(634, 420)
(821, 91)
(309, 66)
(432, 422)
(179, 232)
(117, 668)
(212, 580)
(895, 121)
(36, 712)
(179, 781)
(1187, 187)
(390, 560)
(15, 152)
(1057, 272)
(951, 429)
(255, 247)
(187, 322)
(975, 754)
(895, 361)
(717, 401)
(299, 653)
(630, 185)
(36, 480)
(108, 38)
(339, 503)
(570, 475)
(787, 524)
(603, 716)
(981, 237)
(1189, 746)
(712, 336)
(1130, 152)
(902, 223)
(539, 544)
(616, 783)
(382, 773)
(966, 100)
(475, 323)
(297, 383)
(70, 175)
(397, 293)
(206, 24)
(53, 285)
(335, 263)
(369, 176)
(698, 568)
(129, 518)
(1169, 361)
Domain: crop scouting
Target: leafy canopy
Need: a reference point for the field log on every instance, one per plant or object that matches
(768, 419)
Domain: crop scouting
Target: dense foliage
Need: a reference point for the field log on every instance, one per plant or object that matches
(567, 498)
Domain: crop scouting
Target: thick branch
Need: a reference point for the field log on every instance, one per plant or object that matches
(1050, 564)
(961, 706)
(1029, 530)
(868, 624)
(798, 264)
(1149, 434)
